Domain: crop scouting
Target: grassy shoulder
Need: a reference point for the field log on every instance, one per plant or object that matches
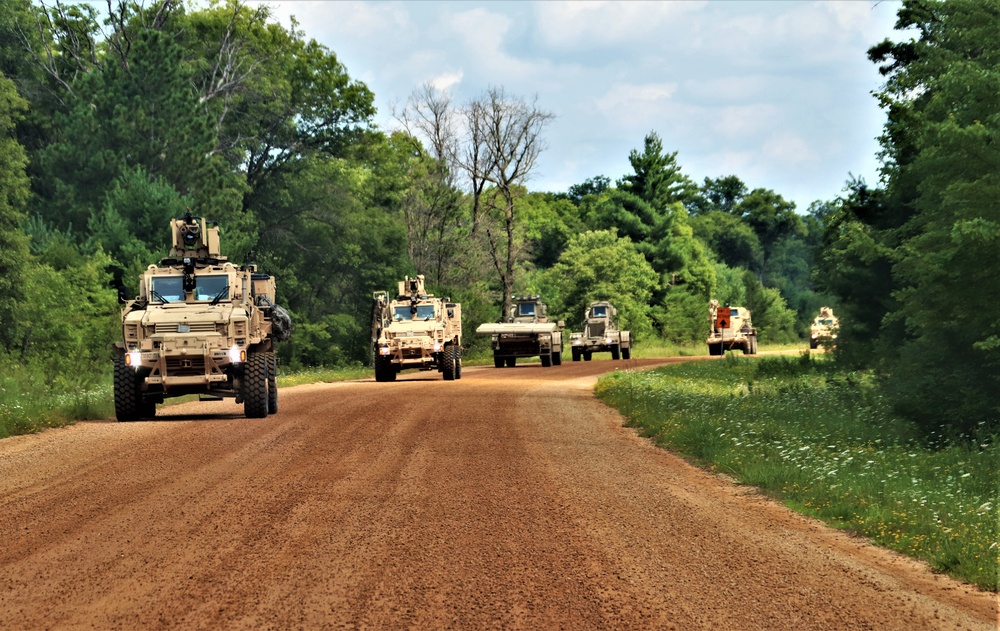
(824, 441)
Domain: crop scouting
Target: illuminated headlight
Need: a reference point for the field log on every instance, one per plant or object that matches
(610, 340)
(237, 354)
(383, 350)
(133, 358)
(437, 347)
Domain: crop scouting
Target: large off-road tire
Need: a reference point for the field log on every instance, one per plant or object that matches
(458, 362)
(448, 363)
(576, 355)
(128, 395)
(557, 359)
(715, 349)
(587, 356)
(254, 385)
(813, 344)
(627, 352)
(272, 383)
(753, 345)
(546, 359)
(616, 351)
(384, 370)
(747, 347)
(497, 361)
(510, 361)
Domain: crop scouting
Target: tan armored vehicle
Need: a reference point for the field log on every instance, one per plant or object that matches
(824, 329)
(526, 333)
(416, 330)
(600, 335)
(200, 325)
(730, 329)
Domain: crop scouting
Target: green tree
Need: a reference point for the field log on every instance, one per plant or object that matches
(598, 265)
(657, 178)
(942, 161)
(14, 189)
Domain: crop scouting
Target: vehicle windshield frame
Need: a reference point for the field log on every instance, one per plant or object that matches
(402, 313)
(208, 287)
(600, 311)
(521, 313)
(167, 288)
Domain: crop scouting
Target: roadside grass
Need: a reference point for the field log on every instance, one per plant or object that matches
(824, 441)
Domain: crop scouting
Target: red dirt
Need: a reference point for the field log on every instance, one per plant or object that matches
(508, 499)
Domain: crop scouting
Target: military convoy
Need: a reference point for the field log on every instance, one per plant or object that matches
(526, 332)
(600, 334)
(823, 331)
(415, 330)
(200, 325)
(730, 328)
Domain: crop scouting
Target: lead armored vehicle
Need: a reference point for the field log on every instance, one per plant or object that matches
(823, 331)
(200, 325)
(416, 330)
(600, 334)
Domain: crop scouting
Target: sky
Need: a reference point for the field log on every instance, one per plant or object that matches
(777, 93)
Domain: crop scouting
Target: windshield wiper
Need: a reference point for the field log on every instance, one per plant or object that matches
(157, 295)
(219, 296)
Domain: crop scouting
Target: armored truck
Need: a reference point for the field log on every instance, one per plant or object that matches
(730, 328)
(600, 335)
(527, 332)
(415, 330)
(200, 325)
(823, 331)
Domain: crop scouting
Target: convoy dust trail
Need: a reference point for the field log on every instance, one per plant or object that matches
(509, 499)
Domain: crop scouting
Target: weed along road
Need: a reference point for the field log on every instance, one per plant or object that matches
(508, 499)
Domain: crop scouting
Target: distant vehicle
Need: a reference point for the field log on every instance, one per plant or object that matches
(200, 325)
(416, 330)
(526, 333)
(730, 329)
(823, 331)
(600, 335)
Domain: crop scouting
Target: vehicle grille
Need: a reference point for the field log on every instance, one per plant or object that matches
(196, 327)
(185, 366)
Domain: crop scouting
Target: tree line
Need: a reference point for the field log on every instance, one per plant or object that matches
(112, 124)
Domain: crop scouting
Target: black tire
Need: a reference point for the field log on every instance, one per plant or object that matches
(576, 355)
(272, 383)
(384, 370)
(587, 356)
(510, 361)
(557, 359)
(715, 349)
(448, 363)
(747, 347)
(546, 359)
(753, 345)
(458, 362)
(627, 352)
(813, 344)
(497, 361)
(254, 385)
(616, 351)
(128, 393)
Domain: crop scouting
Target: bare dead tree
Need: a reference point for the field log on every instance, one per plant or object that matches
(510, 129)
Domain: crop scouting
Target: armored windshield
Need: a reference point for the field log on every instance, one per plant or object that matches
(168, 289)
(423, 312)
(599, 312)
(825, 321)
(526, 309)
(214, 287)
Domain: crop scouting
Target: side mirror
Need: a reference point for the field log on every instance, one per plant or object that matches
(561, 324)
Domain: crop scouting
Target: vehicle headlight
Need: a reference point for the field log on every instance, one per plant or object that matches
(437, 347)
(383, 350)
(133, 358)
(237, 354)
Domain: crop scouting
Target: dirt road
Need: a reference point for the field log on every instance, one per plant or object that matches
(509, 499)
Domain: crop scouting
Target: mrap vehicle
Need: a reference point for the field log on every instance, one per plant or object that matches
(526, 333)
(200, 325)
(600, 334)
(416, 330)
(730, 329)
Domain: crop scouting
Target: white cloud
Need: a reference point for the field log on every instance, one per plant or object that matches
(444, 82)
(639, 103)
(573, 25)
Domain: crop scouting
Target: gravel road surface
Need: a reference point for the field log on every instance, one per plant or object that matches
(509, 499)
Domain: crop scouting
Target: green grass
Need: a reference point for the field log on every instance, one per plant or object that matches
(825, 442)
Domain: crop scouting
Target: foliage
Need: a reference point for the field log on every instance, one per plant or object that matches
(13, 195)
(823, 439)
(598, 265)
